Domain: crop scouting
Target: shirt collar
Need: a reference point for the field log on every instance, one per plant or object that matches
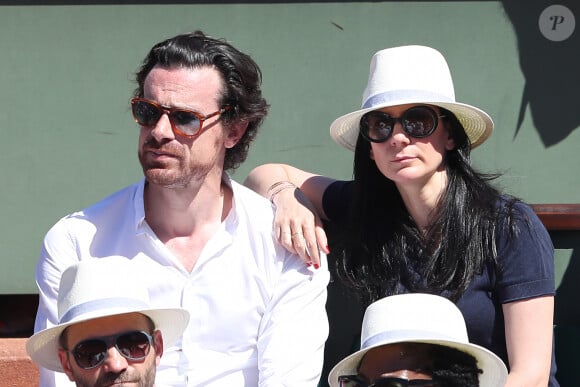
(139, 205)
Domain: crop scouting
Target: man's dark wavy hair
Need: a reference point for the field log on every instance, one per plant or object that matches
(242, 79)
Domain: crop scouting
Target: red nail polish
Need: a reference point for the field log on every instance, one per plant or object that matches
(327, 248)
(316, 265)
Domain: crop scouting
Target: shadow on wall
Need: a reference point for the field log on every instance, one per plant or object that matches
(549, 50)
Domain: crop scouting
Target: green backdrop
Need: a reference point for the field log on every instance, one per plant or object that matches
(66, 77)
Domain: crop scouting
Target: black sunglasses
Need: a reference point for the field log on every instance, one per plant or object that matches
(418, 122)
(91, 353)
(357, 381)
(184, 122)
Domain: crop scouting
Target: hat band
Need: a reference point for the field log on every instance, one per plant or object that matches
(405, 335)
(105, 304)
(405, 95)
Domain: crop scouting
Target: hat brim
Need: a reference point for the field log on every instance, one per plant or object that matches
(43, 346)
(477, 124)
(494, 370)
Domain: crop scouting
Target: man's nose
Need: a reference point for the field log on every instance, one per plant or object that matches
(162, 128)
(114, 362)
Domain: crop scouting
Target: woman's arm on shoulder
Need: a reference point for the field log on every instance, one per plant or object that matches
(297, 195)
(266, 178)
(528, 334)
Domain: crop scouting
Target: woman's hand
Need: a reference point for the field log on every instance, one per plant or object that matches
(297, 226)
(297, 195)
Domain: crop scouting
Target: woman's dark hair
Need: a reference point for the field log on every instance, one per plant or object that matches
(241, 77)
(451, 367)
(383, 239)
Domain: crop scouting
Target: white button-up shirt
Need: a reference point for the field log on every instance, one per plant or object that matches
(257, 312)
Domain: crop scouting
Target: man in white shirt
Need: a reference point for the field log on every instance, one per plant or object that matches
(200, 240)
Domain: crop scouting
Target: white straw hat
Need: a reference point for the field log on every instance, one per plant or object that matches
(411, 75)
(419, 318)
(101, 287)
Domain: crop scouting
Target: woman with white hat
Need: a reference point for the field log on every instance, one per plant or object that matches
(418, 218)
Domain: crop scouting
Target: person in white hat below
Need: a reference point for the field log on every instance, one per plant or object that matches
(107, 332)
(417, 339)
(419, 218)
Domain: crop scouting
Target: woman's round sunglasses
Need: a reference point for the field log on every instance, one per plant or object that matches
(417, 122)
(184, 122)
(91, 353)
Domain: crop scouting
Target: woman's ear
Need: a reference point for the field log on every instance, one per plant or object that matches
(450, 144)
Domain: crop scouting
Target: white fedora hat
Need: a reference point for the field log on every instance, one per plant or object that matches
(411, 75)
(101, 287)
(419, 318)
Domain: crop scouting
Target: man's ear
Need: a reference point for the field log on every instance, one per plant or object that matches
(158, 344)
(235, 132)
(65, 363)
